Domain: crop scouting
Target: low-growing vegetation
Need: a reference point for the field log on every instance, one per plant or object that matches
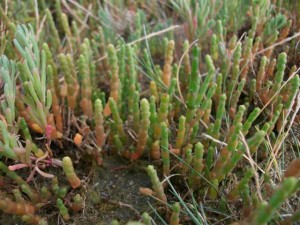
(150, 112)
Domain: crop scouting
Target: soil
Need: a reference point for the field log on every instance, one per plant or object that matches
(111, 192)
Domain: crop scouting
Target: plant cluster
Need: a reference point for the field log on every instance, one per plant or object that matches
(210, 101)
